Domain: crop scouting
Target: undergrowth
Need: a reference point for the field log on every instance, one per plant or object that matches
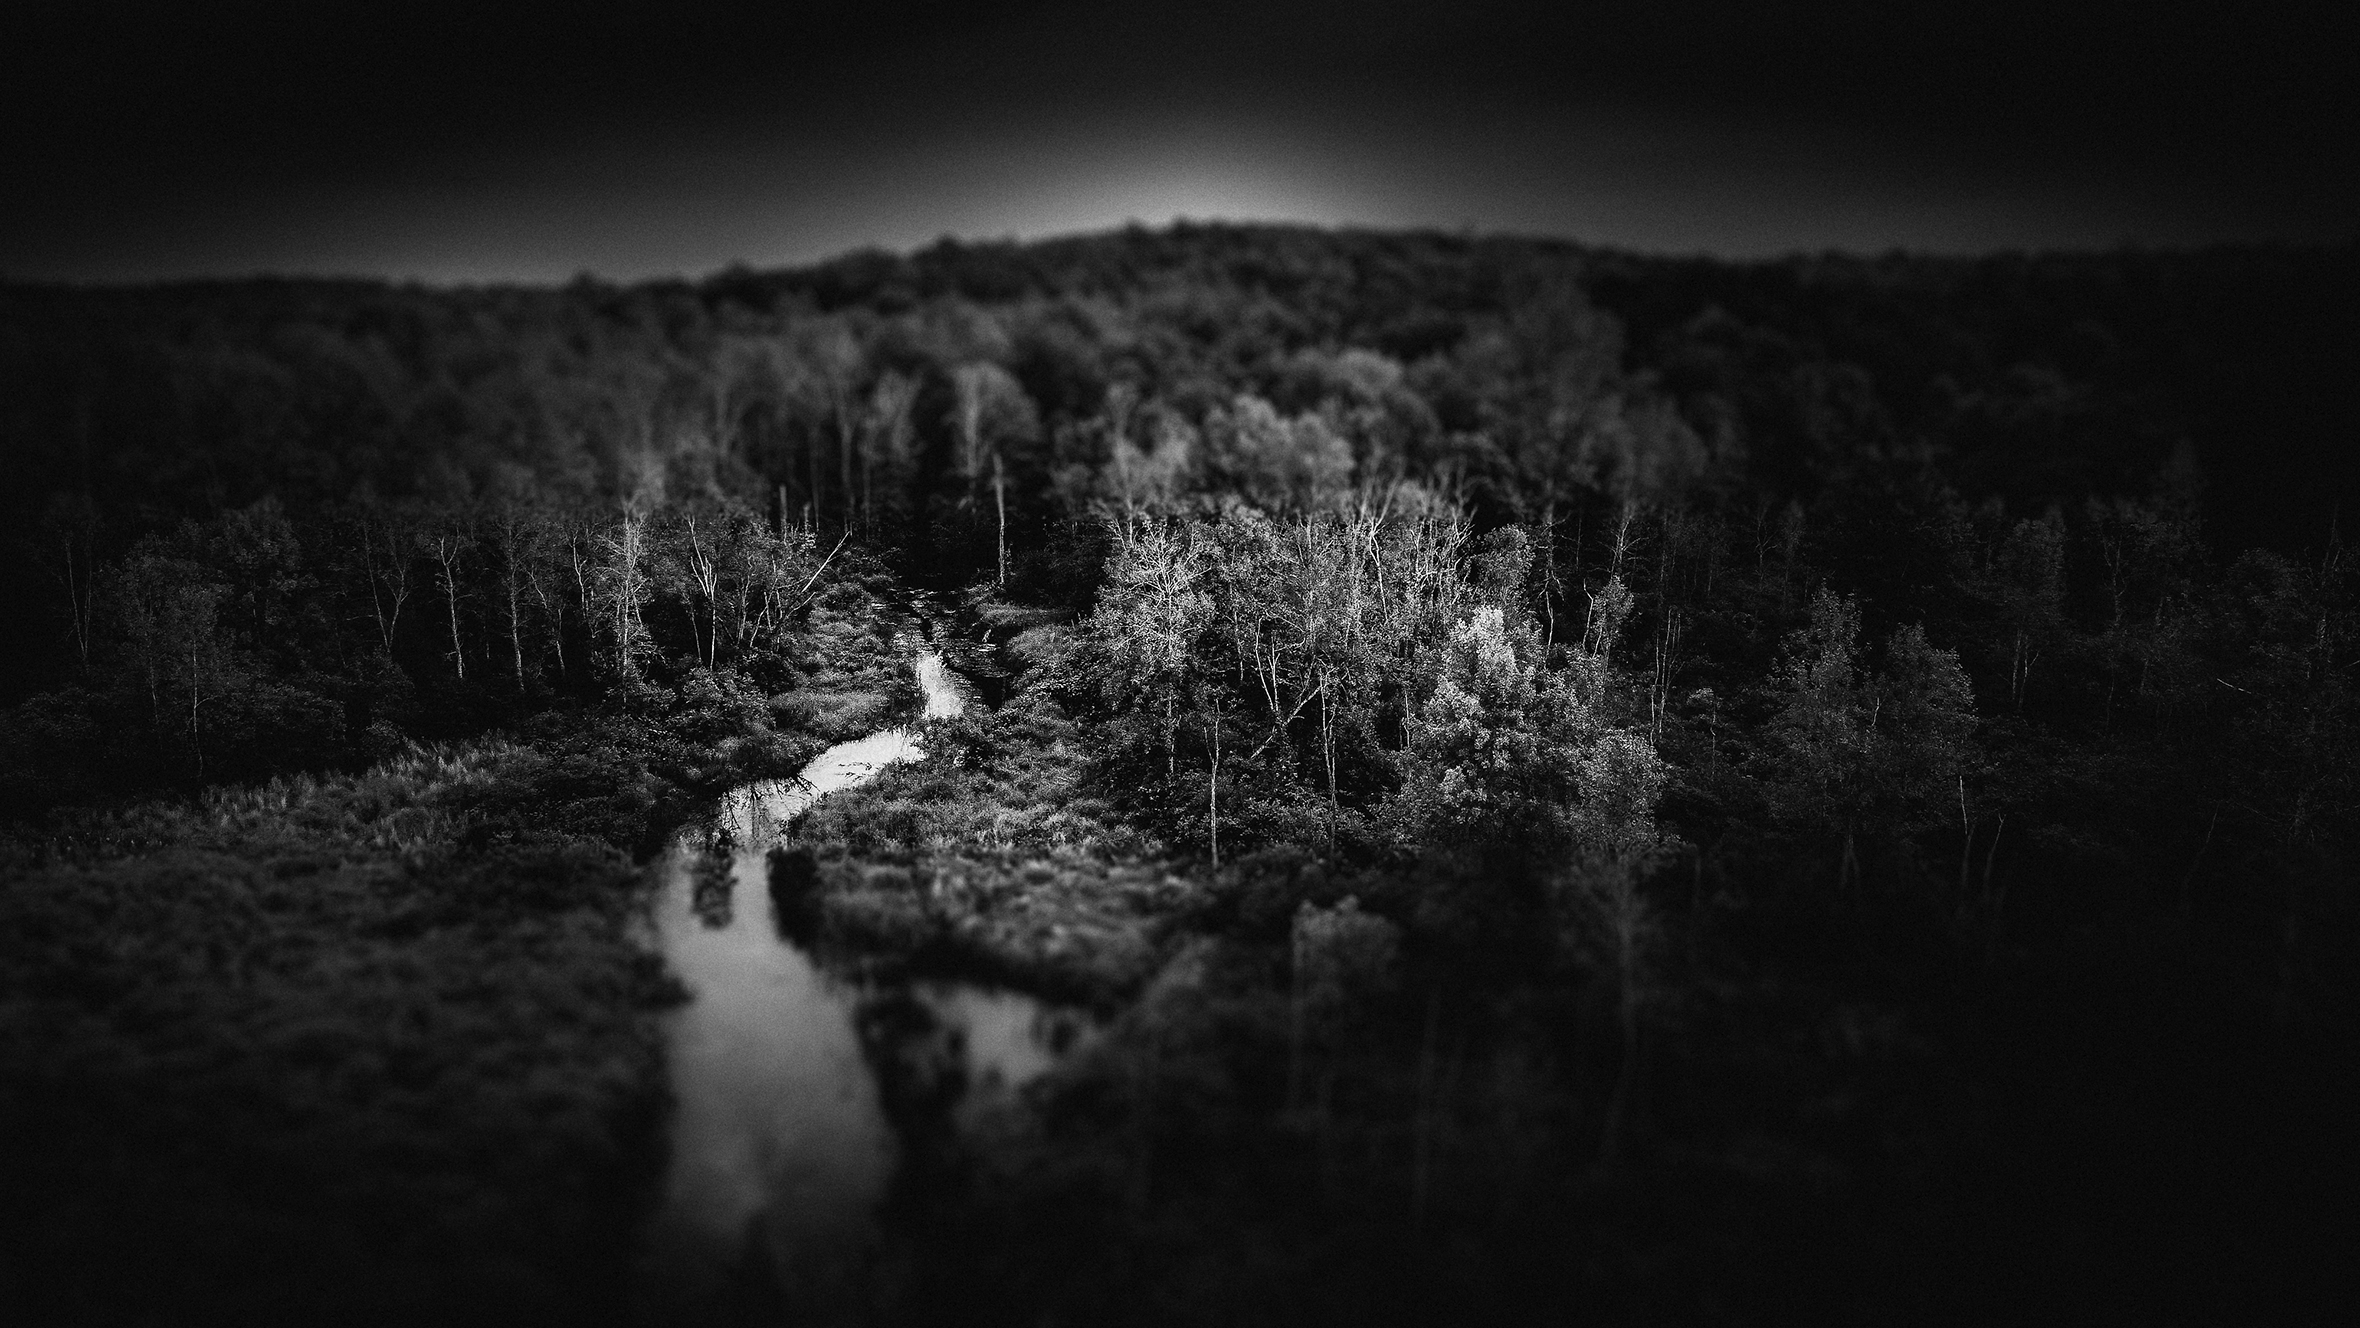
(370, 1046)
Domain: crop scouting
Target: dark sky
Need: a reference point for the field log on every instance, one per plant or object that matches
(463, 142)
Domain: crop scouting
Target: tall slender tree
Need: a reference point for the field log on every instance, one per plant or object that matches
(991, 413)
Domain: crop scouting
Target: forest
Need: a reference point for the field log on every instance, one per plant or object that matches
(1570, 783)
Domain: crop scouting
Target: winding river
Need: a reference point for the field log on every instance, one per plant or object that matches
(781, 1151)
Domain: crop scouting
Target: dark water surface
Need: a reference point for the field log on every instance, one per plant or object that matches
(781, 1151)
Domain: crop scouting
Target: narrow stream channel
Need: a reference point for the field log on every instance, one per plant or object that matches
(780, 1147)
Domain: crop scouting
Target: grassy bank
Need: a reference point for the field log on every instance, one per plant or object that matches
(989, 860)
(373, 1046)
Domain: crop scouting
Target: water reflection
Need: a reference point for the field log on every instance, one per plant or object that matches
(712, 890)
(779, 1149)
(782, 1144)
(1006, 1040)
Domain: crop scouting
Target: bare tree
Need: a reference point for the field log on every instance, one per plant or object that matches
(168, 611)
(700, 544)
(448, 542)
(992, 410)
(67, 545)
(544, 575)
(387, 540)
(621, 585)
(510, 526)
(1214, 714)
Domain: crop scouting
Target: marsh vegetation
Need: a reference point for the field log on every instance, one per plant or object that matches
(1503, 778)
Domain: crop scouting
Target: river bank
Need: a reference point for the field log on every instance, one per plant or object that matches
(777, 1150)
(378, 1046)
(847, 1028)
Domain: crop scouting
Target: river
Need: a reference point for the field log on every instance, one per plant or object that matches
(781, 1151)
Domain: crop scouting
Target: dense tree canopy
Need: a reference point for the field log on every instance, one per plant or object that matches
(1764, 694)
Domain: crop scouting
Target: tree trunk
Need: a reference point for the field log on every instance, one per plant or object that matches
(515, 630)
(1000, 501)
(81, 591)
(573, 550)
(1327, 743)
(1549, 575)
(1966, 826)
(369, 570)
(1213, 794)
(451, 598)
(623, 613)
(811, 503)
(844, 456)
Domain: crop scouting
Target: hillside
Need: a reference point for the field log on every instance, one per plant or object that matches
(1559, 776)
